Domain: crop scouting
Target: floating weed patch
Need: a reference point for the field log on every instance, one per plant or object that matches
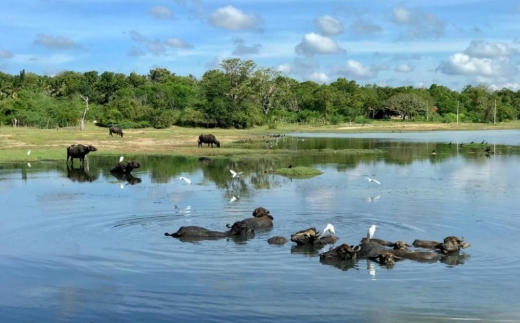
(298, 172)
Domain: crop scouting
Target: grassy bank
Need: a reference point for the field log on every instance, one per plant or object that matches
(47, 144)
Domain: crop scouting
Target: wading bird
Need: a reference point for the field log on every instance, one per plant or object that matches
(372, 180)
(28, 152)
(235, 174)
(187, 180)
(121, 158)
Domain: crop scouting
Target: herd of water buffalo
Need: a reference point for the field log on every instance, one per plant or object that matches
(343, 256)
(309, 240)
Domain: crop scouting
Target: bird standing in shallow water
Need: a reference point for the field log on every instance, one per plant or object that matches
(434, 152)
(329, 228)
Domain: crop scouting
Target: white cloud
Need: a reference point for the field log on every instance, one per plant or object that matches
(418, 24)
(404, 68)
(356, 69)
(481, 49)
(512, 86)
(161, 12)
(462, 64)
(177, 43)
(58, 42)
(363, 27)
(5, 53)
(135, 51)
(316, 44)
(284, 68)
(138, 37)
(156, 48)
(329, 26)
(229, 17)
(319, 77)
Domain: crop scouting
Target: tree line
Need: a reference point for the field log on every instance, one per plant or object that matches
(238, 95)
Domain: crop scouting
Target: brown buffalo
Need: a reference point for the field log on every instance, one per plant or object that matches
(208, 139)
(239, 228)
(125, 167)
(261, 219)
(78, 151)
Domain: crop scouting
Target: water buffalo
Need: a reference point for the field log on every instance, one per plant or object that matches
(116, 130)
(208, 139)
(261, 219)
(311, 237)
(387, 258)
(239, 228)
(125, 168)
(129, 178)
(343, 252)
(277, 240)
(449, 244)
(78, 151)
(79, 174)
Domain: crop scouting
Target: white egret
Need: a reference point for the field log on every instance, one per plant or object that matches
(372, 180)
(187, 180)
(235, 174)
(121, 158)
(122, 186)
(29, 164)
(373, 198)
(329, 228)
(233, 199)
(28, 152)
(371, 231)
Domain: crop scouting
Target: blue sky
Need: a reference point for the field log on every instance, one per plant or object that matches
(389, 43)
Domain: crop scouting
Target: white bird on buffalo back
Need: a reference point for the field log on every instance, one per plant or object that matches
(329, 228)
(371, 231)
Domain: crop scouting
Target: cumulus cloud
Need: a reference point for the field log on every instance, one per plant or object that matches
(316, 44)
(156, 48)
(319, 77)
(329, 26)
(161, 12)
(404, 68)
(5, 54)
(284, 68)
(354, 68)
(178, 43)
(242, 49)
(418, 24)
(462, 64)
(481, 49)
(58, 42)
(363, 27)
(229, 17)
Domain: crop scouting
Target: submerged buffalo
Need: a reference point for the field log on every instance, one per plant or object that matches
(129, 178)
(125, 168)
(343, 252)
(261, 219)
(239, 228)
(208, 139)
(277, 240)
(312, 237)
(78, 151)
(449, 244)
(116, 130)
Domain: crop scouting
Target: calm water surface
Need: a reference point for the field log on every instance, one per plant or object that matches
(80, 245)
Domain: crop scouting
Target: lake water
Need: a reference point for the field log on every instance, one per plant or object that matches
(80, 245)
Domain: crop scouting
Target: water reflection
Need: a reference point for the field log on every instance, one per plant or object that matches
(79, 174)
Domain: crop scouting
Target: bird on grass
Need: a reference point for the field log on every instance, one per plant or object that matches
(372, 180)
(28, 152)
(235, 174)
(187, 180)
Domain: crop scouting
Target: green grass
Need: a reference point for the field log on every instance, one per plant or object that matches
(298, 172)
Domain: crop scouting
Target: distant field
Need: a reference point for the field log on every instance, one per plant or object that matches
(47, 144)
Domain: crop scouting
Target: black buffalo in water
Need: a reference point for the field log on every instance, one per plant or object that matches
(343, 252)
(450, 244)
(116, 130)
(78, 151)
(79, 174)
(239, 228)
(125, 168)
(311, 237)
(277, 240)
(208, 139)
(261, 219)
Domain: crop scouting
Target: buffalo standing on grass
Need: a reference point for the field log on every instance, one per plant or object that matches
(116, 130)
(208, 139)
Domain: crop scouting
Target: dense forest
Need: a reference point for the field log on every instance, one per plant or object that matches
(238, 95)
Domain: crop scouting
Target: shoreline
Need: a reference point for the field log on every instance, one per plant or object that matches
(50, 144)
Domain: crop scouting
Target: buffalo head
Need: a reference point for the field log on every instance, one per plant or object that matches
(343, 252)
